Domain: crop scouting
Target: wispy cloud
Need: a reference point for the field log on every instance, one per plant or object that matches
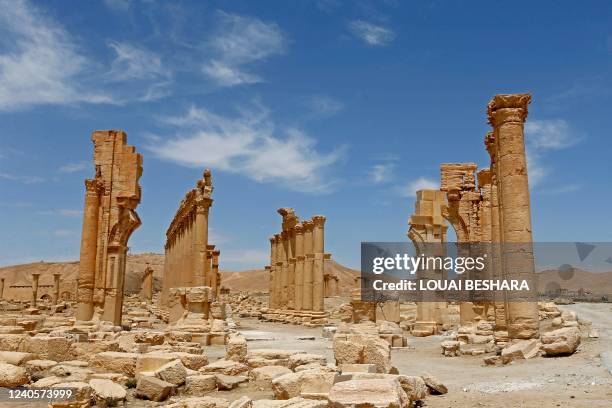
(241, 40)
(21, 178)
(64, 233)
(323, 106)
(422, 183)
(74, 167)
(41, 64)
(133, 62)
(248, 144)
(382, 172)
(542, 136)
(566, 189)
(64, 212)
(371, 34)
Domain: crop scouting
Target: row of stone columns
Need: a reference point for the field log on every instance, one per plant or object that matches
(189, 259)
(297, 265)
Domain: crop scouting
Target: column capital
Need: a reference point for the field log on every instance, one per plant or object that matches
(307, 226)
(318, 220)
(504, 108)
(489, 141)
(203, 204)
(299, 229)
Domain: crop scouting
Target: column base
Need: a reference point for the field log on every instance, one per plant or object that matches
(424, 329)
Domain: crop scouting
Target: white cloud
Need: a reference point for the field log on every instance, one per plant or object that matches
(241, 40)
(249, 145)
(422, 183)
(135, 63)
(227, 75)
(323, 106)
(21, 178)
(74, 167)
(41, 64)
(246, 256)
(542, 136)
(371, 34)
(553, 134)
(382, 173)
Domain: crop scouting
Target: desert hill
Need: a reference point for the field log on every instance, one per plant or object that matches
(18, 278)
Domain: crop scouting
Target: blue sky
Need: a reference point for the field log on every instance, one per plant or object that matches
(341, 108)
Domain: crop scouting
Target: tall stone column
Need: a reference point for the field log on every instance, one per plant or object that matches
(507, 114)
(56, 288)
(147, 285)
(495, 233)
(308, 227)
(279, 271)
(89, 249)
(35, 277)
(273, 276)
(299, 267)
(215, 273)
(285, 269)
(291, 269)
(200, 242)
(319, 263)
(1, 288)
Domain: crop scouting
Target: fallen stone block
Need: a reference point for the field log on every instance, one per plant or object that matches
(236, 348)
(197, 385)
(12, 376)
(154, 389)
(261, 377)
(559, 342)
(520, 350)
(107, 393)
(229, 382)
(116, 361)
(16, 357)
(383, 393)
(226, 367)
(434, 385)
(173, 372)
(50, 348)
(302, 383)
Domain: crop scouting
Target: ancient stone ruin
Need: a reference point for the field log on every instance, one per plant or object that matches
(190, 262)
(297, 270)
(109, 218)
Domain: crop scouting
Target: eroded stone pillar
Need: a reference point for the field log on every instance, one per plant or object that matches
(279, 272)
(307, 297)
(56, 288)
(272, 268)
(89, 249)
(109, 219)
(299, 267)
(1, 288)
(146, 292)
(216, 277)
(35, 277)
(319, 263)
(507, 114)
